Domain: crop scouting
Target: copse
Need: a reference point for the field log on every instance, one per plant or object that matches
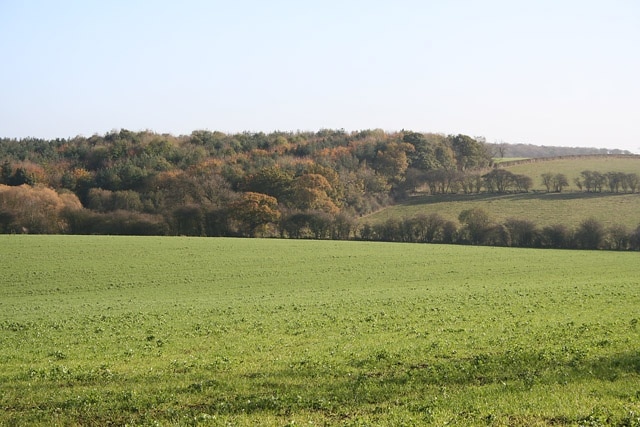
(554, 182)
(504, 181)
(595, 182)
(207, 173)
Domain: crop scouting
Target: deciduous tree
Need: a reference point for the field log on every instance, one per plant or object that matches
(522, 232)
(590, 234)
(311, 192)
(254, 212)
(476, 224)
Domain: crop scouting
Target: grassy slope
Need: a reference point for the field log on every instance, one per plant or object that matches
(209, 331)
(572, 167)
(570, 207)
(542, 208)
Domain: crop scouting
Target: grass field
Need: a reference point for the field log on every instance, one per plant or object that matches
(197, 331)
(498, 160)
(573, 166)
(568, 208)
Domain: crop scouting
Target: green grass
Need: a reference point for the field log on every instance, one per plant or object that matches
(568, 208)
(195, 331)
(573, 166)
(499, 160)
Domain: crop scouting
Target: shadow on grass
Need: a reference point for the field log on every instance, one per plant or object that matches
(375, 382)
(484, 197)
(336, 392)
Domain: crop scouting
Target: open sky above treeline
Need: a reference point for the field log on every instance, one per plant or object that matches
(544, 72)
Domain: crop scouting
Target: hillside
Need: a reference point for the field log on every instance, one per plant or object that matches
(541, 151)
(298, 185)
(216, 184)
(613, 210)
(568, 208)
(573, 166)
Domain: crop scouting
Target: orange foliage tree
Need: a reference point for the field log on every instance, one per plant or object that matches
(254, 212)
(311, 192)
(26, 209)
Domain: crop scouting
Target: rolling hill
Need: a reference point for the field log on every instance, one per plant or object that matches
(569, 207)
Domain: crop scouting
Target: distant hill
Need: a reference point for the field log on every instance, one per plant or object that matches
(572, 166)
(569, 207)
(538, 151)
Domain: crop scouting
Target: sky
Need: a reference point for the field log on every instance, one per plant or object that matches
(543, 72)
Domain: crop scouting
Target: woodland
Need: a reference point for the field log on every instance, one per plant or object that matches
(281, 184)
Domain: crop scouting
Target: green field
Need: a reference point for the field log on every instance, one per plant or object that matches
(569, 208)
(498, 160)
(203, 331)
(572, 167)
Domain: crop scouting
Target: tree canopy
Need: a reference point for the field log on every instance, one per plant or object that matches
(291, 184)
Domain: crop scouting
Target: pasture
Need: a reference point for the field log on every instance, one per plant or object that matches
(203, 331)
(568, 208)
(572, 167)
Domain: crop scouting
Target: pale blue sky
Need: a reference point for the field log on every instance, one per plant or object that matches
(545, 72)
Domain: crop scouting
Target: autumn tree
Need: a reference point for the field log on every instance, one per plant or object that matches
(274, 181)
(392, 161)
(336, 192)
(254, 212)
(26, 209)
(364, 190)
(311, 192)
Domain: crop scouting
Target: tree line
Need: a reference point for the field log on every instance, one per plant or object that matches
(217, 184)
(281, 184)
(475, 227)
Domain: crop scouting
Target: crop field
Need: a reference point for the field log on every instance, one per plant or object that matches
(206, 331)
(568, 208)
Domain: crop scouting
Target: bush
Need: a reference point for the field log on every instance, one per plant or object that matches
(590, 234)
